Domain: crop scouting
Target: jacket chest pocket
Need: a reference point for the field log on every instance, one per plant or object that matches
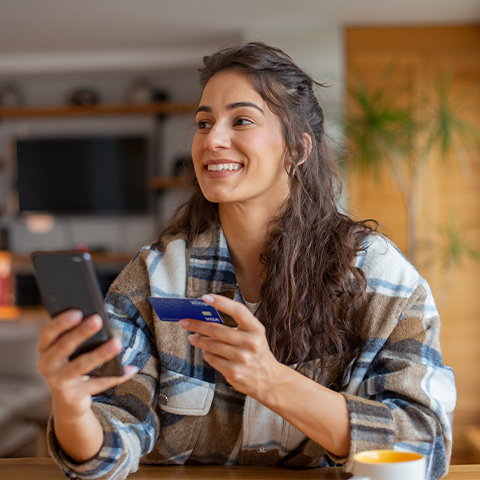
(184, 403)
(182, 395)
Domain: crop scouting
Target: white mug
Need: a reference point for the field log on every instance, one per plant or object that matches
(388, 465)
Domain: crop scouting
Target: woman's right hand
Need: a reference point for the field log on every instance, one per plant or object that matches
(69, 383)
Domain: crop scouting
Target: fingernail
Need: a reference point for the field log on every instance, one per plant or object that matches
(208, 298)
(75, 316)
(131, 370)
(113, 345)
(93, 322)
(192, 338)
(184, 323)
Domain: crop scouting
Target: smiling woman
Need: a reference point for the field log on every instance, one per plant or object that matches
(335, 346)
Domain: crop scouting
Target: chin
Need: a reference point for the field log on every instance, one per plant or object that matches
(217, 196)
(218, 199)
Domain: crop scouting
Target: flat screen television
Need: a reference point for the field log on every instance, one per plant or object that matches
(85, 175)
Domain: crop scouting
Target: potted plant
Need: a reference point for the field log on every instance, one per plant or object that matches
(389, 132)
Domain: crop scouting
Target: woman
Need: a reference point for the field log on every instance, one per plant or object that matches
(336, 341)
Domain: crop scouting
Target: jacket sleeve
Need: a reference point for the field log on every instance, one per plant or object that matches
(399, 393)
(127, 412)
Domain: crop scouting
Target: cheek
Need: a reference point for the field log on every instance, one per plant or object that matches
(270, 148)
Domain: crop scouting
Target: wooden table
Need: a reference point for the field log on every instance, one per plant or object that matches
(46, 469)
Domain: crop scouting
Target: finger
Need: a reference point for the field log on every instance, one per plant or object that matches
(239, 312)
(222, 365)
(96, 385)
(85, 363)
(66, 345)
(207, 329)
(222, 349)
(57, 327)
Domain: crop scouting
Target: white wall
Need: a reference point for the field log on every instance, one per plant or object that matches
(320, 52)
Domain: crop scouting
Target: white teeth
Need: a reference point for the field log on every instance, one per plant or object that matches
(223, 166)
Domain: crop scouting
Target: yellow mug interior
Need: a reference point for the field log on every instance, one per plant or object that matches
(386, 456)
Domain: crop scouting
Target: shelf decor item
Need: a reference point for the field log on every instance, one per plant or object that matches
(140, 93)
(10, 96)
(84, 97)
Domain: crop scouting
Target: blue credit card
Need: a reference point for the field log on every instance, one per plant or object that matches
(172, 309)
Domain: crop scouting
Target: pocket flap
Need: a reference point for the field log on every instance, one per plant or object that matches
(184, 395)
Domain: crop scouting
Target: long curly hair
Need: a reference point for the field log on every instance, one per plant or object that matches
(313, 296)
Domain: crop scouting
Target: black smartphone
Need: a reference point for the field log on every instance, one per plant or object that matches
(68, 280)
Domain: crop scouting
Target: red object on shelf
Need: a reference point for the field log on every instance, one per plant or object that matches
(8, 310)
(5, 279)
(82, 248)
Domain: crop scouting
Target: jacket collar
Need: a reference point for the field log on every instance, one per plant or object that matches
(210, 268)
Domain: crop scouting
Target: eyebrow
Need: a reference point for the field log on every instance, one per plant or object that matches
(230, 106)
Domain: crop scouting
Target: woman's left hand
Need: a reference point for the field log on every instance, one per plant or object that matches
(241, 354)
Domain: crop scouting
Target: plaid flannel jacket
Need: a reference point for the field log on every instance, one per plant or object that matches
(179, 410)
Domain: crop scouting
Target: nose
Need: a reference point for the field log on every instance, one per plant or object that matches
(217, 138)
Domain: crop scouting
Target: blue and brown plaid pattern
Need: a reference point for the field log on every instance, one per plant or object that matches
(178, 410)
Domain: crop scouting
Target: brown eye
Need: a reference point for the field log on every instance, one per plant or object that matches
(243, 121)
(203, 125)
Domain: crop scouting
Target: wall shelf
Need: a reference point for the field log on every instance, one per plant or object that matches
(154, 108)
(167, 183)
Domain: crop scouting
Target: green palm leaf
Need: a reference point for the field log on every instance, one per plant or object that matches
(376, 127)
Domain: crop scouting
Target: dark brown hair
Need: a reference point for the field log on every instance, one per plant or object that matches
(313, 294)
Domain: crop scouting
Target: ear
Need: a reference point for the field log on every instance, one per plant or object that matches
(307, 147)
(308, 144)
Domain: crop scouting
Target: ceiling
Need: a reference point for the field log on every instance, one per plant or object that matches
(40, 31)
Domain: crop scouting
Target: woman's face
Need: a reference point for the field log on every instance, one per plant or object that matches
(238, 149)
